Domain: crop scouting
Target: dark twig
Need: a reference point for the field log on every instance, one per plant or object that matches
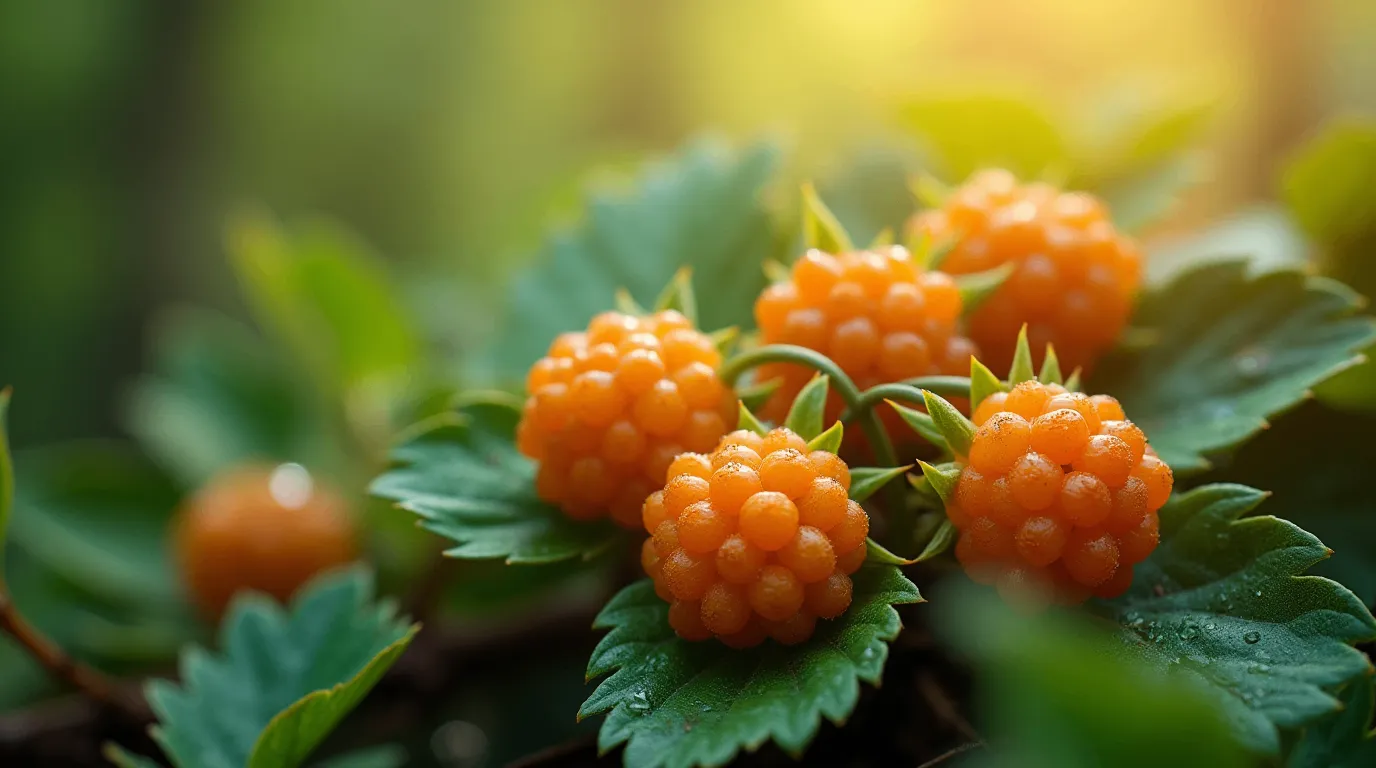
(960, 750)
(944, 707)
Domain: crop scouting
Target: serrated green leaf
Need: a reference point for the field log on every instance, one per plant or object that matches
(829, 441)
(955, 428)
(746, 420)
(468, 483)
(677, 704)
(983, 383)
(1234, 349)
(1021, 369)
(921, 423)
(821, 229)
(941, 541)
(1343, 739)
(284, 679)
(1051, 367)
(977, 287)
(968, 132)
(1223, 601)
(866, 481)
(806, 415)
(700, 208)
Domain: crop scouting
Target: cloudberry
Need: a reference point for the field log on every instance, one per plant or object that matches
(613, 408)
(262, 529)
(1062, 494)
(759, 537)
(876, 313)
(1074, 278)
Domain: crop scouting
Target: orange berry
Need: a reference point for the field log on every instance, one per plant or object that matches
(725, 609)
(999, 443)
(1136, 544)
(1129, 506)
(622, 443)
(1116, 586)
(1107, 408)
(827, 464)
(695, 464)
(990, 406)
(850, 562)
(591, 482)
(685, 617)
(1085, 500)
(806, 328)
(652, 512)
(815, 274)
(852, 530)
(794, 630)
(657, 460)
(699, 386)
(754, 633)
(1108, 458)
(683, 346)
(824, 504)
(809, 555)
(1158, 478)
(742, 437)
(649, 558)
(830, 597)
(1077, 402)
(602, 358)
(688, 576)
(903, 302)
(787, 471)
(702, 430)
(660, 411)
(664, 321)
(731, 485)
(611, 327)
(768, 520)
(1090, 557)
(666, 538)
(773, 307)
(1060, 435)
(1027, 399)
(739, 561)
(854, 344)
(781, 438)
(1001, 507)
(943, 297)
(777, 594)
(988, 541)
(701, 528)
(1040, 540)
(735, 453)
(1129, 434)
(627, 505)
(683, 490)
(1035, 481)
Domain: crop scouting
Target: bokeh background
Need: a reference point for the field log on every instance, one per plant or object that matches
(449, 135)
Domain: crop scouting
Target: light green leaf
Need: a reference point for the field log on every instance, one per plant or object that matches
(930, 191)
(1223, 602)
(1137, 202)
(868, 192)
(678, 704)
(941, 541)
(1021, 369)
(805, 416)
(700, 208)
(1233, 350)
(746, 420)
(968, 132)
(983, 383)
(1327, 185)
(955, 428)
(921, 423)
(866, 481)
(1343, 739)
(1053, 690)
(829, 441)
(821, 230)
(976, 288)
(943, 478)
(468, 483)
(877, 554)
(284, 679)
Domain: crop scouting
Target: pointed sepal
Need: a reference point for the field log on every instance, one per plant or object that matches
(1051, 367)
(806, 414)
(829, 441)
(1021, 370)
(942, 540)
(876, 553)
(821, 229)
(976, 288)
(983, 383)
(678, 295)
(921, 423)
(943, 479)
(954, 427)
(745, 419)
(866, 481)
(756, 395)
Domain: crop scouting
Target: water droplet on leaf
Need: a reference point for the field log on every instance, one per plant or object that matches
(1251, 638)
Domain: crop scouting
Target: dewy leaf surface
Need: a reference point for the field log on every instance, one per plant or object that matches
(1343, 739)
(1231, 351)
(1223, 601)
(700, 208)
(678, 704)
(282, 680)
(467, 482)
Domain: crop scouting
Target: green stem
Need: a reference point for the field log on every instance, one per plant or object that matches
(910, 390)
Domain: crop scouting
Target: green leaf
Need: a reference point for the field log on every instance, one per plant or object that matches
(1051, 368)
(384, 756)
(1054, 690)
(943, 478)
(1343, 739)
(1021, 369)
(941, 541)
(805, 416)
(1234, 349)
(877, 554)
(1327, 185)
(821, 230)
(983, 383)
(1223, 602)
(1137, 202)
(284, 679)
(930, 191)
(746, 420)
(1072, 382)
(977, 287)
(468, 483)
(6, 474)
(829, 441)
(954, 427)
(868, 192)
(700, 208)
(678, 704)
(866, 481)
(968, 132)
(921, 423)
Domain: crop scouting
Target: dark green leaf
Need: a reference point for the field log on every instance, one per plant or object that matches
(284, 679)
(821, 230)
(468, 483)
(1223, 602)
(955, 428)
(701, 208)
(678, 704)
(830, 440)
(921, 423)
(806, 414)
(1343, 739)
(1232, 351)
(866, 481)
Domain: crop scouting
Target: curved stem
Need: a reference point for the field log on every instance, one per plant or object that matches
(849, 393)
(910, 391)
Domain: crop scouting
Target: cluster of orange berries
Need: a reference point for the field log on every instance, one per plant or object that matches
(877, 314)
(610, 408)
(1060, 491)
(756, 539)
(1075, 276)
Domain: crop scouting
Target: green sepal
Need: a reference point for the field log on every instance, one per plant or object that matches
(776, 271)
(921, 423)
(679, 295)
(934, 254)
(876, 553)
(983, 383)
(941, 541)
(943, 479)
(1072, 382)
(746, 420)
(806, 414)
(756, 395)
(929, 191)
(1051, 367)
(821, 229)
(883, 238)
(829, 441)
(976, 288)
(1021, 370)
(866, 481)
(725, 339)
(955, 428)
(626, 304)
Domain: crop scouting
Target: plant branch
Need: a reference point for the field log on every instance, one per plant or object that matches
(909, 391)
(956, 752)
